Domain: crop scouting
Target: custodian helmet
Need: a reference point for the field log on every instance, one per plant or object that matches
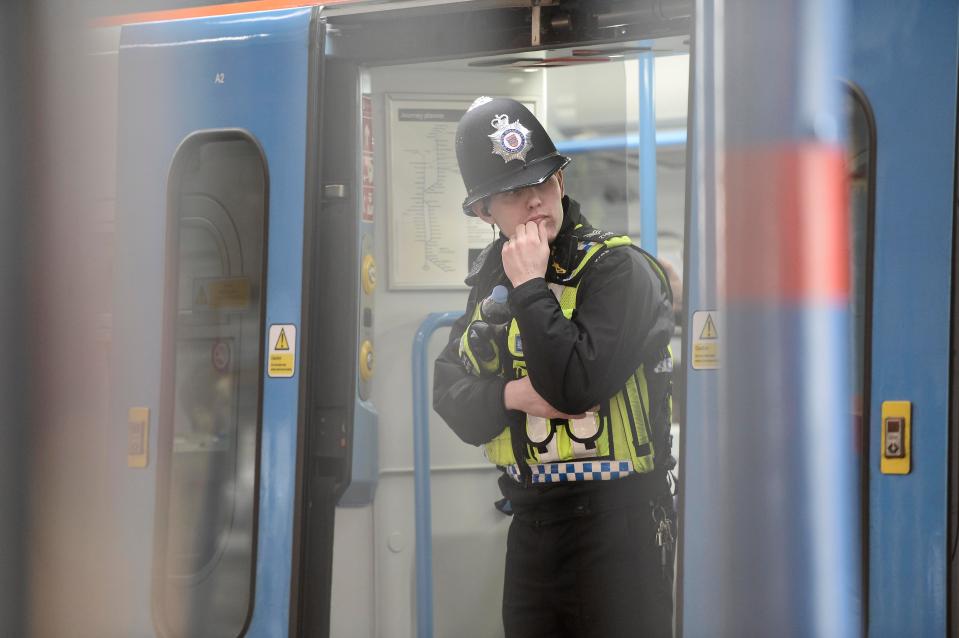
(501, 146)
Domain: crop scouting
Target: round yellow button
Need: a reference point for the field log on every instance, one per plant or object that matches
(366, 360)
(369, 274)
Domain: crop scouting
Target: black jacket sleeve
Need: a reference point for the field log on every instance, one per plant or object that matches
(472, 406)
(622, 317)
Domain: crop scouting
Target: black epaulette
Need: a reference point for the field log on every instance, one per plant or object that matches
(575, 248)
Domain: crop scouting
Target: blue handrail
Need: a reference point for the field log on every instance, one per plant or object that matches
(421, 471)
(666, 137)
(647, 153)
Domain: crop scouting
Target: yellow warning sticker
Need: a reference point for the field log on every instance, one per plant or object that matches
(705, 346)
(282, 357)
(221, 293)
(709, 329)
(281, 342)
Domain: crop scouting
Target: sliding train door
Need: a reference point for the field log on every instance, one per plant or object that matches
(911, 505)
(218, 171)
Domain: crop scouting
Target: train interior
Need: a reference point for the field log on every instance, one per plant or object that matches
(589, 101)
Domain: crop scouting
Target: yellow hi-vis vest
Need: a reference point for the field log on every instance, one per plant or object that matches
(621, 430)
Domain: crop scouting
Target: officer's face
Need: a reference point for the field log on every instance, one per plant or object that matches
(543, 202)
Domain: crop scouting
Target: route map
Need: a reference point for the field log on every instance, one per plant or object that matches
(430, 245)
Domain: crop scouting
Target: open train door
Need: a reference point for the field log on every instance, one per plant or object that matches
(219, 211)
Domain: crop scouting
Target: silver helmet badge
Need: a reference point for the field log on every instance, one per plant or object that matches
(510, 140)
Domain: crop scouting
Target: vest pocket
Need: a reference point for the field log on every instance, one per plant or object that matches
(585, 437)
(585, 430)
(541, 437)
(564, 440)
(539, 431)
(499, 451)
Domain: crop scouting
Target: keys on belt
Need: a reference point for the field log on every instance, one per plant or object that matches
(665, 539)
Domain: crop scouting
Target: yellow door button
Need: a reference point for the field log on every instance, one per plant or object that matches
(366, 360)
(369, 274)
(896, 456)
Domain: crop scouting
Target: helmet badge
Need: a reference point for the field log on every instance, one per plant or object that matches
(510, 140)
(480, 101)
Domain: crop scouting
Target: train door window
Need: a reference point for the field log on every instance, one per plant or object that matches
(203, 575)
(860, 170)
(860, 166)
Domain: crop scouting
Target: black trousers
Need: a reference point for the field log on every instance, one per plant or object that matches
(586, 568)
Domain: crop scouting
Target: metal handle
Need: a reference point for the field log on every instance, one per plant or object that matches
(421, 471)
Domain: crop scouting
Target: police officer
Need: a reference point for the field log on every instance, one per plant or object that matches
(570, 397)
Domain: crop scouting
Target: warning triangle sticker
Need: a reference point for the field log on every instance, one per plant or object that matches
(709, 329)
(281, 342)
(201, 299)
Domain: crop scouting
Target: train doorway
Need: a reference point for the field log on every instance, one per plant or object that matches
(415, 74)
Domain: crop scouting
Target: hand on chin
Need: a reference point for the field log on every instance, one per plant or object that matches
(526, 254)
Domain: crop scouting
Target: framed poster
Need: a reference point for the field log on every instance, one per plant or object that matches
(431, 242)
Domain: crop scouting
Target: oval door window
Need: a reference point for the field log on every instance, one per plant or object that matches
(861, 174)
(204, 563)
(860, 171)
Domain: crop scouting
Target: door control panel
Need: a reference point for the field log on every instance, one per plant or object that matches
(896, 437)
(894, 447)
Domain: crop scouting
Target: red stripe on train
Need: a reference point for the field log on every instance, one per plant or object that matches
(787, 224)
(212, 10)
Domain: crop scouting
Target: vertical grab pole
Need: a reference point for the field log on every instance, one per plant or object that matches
(789, 532)
(647, 153)
(421, 471)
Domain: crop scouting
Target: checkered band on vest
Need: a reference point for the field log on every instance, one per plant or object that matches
(574, 471)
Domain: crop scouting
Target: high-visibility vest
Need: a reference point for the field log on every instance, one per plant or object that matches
(621, 430)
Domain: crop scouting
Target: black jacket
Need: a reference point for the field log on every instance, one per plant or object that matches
(623, 318)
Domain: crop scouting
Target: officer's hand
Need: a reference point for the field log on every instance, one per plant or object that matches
(520, 395)
(525, 255)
